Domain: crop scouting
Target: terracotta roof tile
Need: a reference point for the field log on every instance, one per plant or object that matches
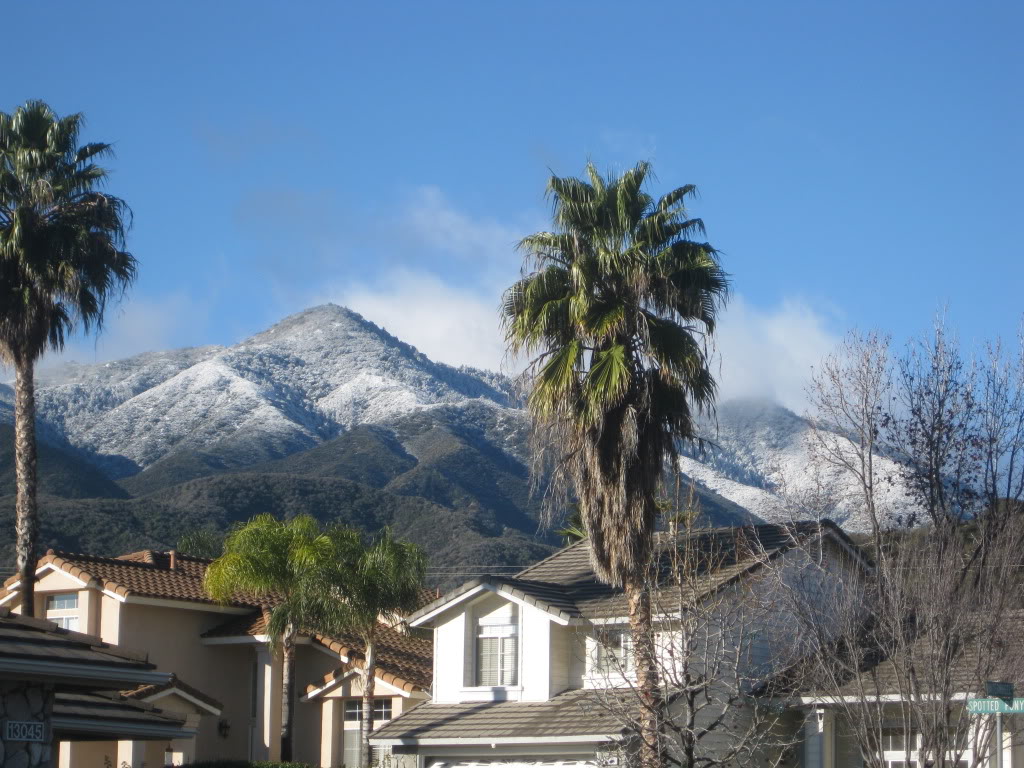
(145, 574)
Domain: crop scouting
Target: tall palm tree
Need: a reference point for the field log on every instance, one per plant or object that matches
(614, 310)
(379, 581)
(62, 258)
(287, 564)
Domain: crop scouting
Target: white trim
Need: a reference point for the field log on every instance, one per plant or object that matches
(883, 698)
(102, 725)
(498, 589)
(110, 593)
(457, 740)
(235, 640)
(87, 671)
(10, 595)
(186, 696)
(451, 603)
(316, 692)
(192, 605)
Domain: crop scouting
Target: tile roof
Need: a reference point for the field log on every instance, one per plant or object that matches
(144, 574)
(148, 573)
(403, 660)
(979, 659)
(572, 713)
(143, 692)
(32, 639)
(565, 585)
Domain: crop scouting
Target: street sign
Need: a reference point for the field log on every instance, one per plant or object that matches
(995, 706)
(1002, 691)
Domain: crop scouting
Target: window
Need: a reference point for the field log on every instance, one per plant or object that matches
(496, 655)
(896, 742)
(612, 652)
(380, 756)
(61, 610)
(354, 710)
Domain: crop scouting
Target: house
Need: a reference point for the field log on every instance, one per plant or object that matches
(524, 666)
(227, 683)
(56, 684)
(878, 698)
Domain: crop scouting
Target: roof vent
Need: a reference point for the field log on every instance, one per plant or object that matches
(172, 556)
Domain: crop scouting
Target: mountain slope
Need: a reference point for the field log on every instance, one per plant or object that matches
(327, 414)
(762, 458)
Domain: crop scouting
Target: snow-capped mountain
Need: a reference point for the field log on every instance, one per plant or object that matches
(288, 388)
(282, 400)
(762, 457)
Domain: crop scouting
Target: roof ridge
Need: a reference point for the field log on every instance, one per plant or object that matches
(553, 555)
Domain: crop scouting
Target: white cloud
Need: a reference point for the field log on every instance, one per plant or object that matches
(139, 325)
(770, 352)
(447, 324)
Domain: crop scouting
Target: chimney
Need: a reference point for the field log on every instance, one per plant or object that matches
(173, 558)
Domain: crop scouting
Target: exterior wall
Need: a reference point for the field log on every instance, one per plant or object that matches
(171, 637)
(339, 740)
(310, 664)
(545, 664)
(26, 702)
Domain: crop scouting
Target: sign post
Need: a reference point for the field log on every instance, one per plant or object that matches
(1004, 693)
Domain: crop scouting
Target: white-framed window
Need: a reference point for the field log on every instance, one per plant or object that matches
(497, 651)
(62, 610)
(354, 710)
(895, 744)
(613, 651)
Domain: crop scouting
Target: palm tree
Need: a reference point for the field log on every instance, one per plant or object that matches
(614, 310)
(62, 258)
(287, 564)
(378, 582)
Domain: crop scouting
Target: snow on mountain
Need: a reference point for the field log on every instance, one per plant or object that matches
(762, 457)
(300, 382)
(319, 372)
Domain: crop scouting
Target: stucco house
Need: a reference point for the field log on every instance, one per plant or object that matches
(520, 676)
(57, 684)
(227, 684)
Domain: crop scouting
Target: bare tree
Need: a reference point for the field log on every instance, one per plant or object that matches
(720, 642)
(939, 613)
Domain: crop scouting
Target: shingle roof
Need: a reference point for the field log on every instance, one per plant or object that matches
(77, 715)
(979, 659)
(143, 692)
(25, 637)
(565, 585)
(573, 713)
(37, 640)
(146, 573)
(405, 661)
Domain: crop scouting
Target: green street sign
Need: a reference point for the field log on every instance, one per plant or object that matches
(994, 706)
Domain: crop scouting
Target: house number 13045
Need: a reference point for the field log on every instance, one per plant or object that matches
(24, 730)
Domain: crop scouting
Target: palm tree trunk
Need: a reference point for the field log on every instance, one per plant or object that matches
(26, 513)
(366, 725)
(287, 687)
(646, 663)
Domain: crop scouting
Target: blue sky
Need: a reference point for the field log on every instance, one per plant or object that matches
(858, 163)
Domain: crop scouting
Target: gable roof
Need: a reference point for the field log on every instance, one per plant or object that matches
(565, 585)
(39, 649)
(146, 693)
(146, 573)
(83, 716)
